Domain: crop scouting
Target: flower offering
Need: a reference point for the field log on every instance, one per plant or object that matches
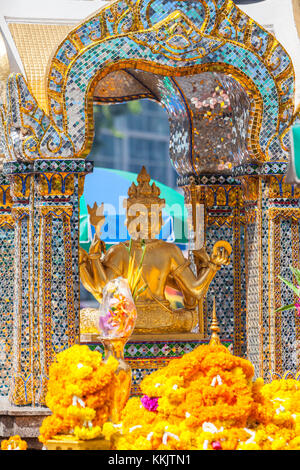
(117, 310)
(80, 393)
(208, 400)
(14, 443)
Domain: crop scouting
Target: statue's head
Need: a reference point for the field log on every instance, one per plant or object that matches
(144, 208)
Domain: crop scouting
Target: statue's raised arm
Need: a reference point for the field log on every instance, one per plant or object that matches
(197, 287)
(92, 271)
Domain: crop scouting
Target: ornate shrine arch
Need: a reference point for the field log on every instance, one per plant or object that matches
(182, 54)
(178, 42)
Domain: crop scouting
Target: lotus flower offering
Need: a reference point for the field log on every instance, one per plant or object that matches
(117, 310)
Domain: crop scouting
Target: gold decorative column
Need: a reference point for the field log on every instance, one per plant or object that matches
(272, 245)
(7, 242)
(45, 209)
(223, 218)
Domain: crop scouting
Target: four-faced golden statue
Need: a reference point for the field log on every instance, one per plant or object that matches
(163, 263)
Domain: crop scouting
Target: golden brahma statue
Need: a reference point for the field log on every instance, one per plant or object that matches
(163, 263)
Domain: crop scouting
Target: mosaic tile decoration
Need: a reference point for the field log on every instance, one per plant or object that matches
(146, 357)
(178, 39)
(228, 287)
(253, 293)
(29, 133)
(220, 112)
(6, 302)
(271, 246)
(262, 225)
(40, 242)
(285, 252)
(224, 219)
(39, 212)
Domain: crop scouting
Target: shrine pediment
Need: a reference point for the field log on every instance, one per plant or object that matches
(178, 35)
(207, 63)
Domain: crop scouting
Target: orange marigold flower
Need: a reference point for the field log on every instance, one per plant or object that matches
(79, 394)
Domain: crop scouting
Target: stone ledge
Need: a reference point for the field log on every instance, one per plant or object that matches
(24, 421)
(11, 410)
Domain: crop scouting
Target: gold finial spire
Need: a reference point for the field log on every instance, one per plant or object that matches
(214, 340)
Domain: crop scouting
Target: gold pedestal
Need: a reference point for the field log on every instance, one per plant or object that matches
(73, 444)
(122, 385)
(95, 338)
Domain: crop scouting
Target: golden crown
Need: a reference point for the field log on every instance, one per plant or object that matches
(143, 192)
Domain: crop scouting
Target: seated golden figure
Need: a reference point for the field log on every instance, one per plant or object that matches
(163, 263)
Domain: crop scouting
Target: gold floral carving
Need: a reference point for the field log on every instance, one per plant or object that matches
(56, 211)
(56, 184)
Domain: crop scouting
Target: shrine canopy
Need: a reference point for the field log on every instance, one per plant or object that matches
(226, 83)
(110, 187)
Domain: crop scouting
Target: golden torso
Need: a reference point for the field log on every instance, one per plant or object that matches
(156, 265)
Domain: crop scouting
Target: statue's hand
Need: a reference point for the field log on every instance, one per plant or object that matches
(97, 216)
(202, 256)
(96, 248)
(221, 253)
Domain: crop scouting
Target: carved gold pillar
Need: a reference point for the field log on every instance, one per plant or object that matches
(22, 378)
(6, 284)
(46, 299)
(272, 245)
(253, 262)
(223, 219)
(284, 248)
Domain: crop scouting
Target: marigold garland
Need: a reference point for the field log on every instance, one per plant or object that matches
(14, 443)
(205, 400)
(208, 400)
(80, 390)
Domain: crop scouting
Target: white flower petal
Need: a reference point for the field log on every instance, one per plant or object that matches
(169, 434)
(205, 444)
(135, 427)
(209, 427)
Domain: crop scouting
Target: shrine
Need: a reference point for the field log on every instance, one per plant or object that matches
(227, 86)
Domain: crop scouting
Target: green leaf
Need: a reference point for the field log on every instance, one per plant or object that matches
(129, 246)
(290, 285)
(286, 307)
(141, 290)
(143, 244)
(296, 273)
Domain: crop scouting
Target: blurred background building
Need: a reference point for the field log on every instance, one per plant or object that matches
(128, 137)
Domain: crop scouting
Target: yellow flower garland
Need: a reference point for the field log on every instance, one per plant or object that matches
(14, 443)
(79, 394)
(208, 400)
(205, 400)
